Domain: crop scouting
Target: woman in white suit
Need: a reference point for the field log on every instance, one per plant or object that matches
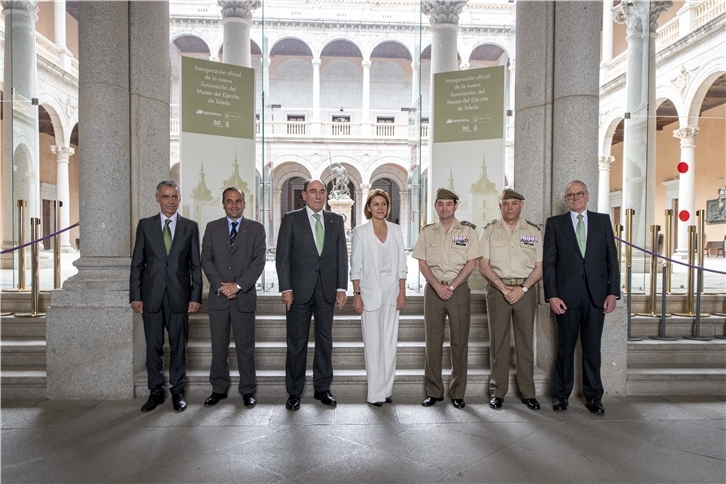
(378, 271)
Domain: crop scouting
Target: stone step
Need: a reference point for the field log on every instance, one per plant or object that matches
(19, 302)
(346, 355)
(22, 351)
(347, 382)
(345, 327)
(676, 379)
(14, 327)
(677, 326)
(23, 382)
(681, 351)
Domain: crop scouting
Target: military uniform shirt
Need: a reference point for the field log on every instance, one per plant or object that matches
(511, 254)
(447, 253)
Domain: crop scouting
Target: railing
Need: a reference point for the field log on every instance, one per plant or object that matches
(708, 10)
(174, 127)
(668, 33)
(618, 65)
(47, 49)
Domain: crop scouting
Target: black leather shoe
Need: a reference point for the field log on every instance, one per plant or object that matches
(560, 405)
(376, 404)
(214, 399)
(179, 403)
(389, 400)
(594, 406)
(429, 401)
(154, 401)
(458, 402)
(293, 402)
(496, 402)
(326, 398)
(249, 399)
(531, 403)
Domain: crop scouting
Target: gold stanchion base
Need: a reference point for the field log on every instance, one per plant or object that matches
(29, 315)
(685, 315)
(15, 289)
(722, 315)
(6, 314)
(657, 315)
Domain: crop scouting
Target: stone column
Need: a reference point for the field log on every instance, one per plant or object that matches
(365, 189)
(444, 18)
(641, 17)
(63, 190)
(365, 113)
(316, 96)
(59, 37)
(607, 38)
(94, 343)
(20, 124)
(237, 20)
(686, 187)
(415, 83)
(276, 211)
(603, 192)
(404, 214)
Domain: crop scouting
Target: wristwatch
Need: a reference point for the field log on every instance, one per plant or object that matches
(356, 293)
(524, 288)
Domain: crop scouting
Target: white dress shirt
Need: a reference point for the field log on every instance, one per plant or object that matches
(573, 216)
(172, 224)
(313, 222)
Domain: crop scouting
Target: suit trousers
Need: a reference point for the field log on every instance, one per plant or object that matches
(587, 320)
(177, 326)
(458, 308)
(502, 316)
(243, 329)
(380, 341)
(298, 333)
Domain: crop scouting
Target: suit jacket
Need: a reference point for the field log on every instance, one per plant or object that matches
(567, 273)
(364, 264)
(154, 273)
(297, 260)
(242, 263)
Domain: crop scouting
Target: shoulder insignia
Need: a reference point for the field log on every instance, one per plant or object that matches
(427, 225)
(533, 224)
(468, 224)
(491, 223)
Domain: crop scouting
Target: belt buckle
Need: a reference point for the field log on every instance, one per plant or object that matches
(513, 282)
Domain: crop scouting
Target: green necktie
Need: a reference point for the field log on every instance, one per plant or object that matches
(167, 235)
(580, 232)
(319, 233)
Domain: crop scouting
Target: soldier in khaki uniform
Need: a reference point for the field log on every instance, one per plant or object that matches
(447, 251)
(512, 264)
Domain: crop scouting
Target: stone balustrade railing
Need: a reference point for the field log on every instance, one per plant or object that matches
(668, 33)
(708, 10)
(47, 49)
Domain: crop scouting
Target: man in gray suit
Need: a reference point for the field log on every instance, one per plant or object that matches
(312, 269)
(165, 286)
(233, 257)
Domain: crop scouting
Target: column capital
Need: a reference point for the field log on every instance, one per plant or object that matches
(443, 11)
(415, 65)
(366, 64)
(686, 134)
(365, 187)
(63, 153)
(657, 7)
(30, 6)
(238, 9)
(464, 66)
(317, 63)
(604, 162)
(635, 14)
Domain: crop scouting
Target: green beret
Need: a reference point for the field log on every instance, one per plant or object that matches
(509, 193)
(445, 193)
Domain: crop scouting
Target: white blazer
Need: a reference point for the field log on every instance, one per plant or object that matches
(364, 264)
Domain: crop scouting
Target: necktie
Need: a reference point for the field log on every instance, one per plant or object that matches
(319, 233)
(233, 233)
(167, 235)
(580, 232)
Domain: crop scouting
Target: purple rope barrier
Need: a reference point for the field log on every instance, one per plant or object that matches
(40, 239)
(698, 268)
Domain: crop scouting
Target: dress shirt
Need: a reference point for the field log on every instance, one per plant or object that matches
(313, 222)
(172, 224)
(573, 216)
(229, 225)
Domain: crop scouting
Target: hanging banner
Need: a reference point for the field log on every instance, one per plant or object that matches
(468, 145)
(217, 137)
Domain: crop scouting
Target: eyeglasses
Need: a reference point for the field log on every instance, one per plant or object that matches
(316, 192)
(575, 196)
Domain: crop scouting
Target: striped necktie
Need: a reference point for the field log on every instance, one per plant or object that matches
(233, 233)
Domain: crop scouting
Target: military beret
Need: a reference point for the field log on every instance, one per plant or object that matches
(509, 193)
(445, 193)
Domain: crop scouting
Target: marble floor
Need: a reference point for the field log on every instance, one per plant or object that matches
(639, 439)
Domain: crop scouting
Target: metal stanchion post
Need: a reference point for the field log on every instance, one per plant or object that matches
(35, 271)
(619, 245)
(689, 273)
(629, 213)
(654, 230)
(700, 245)
(668, 249)
(662, 333)
(56, 247)
(22, 266)
(697, 326)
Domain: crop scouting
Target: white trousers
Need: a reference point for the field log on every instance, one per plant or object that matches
(380, 339)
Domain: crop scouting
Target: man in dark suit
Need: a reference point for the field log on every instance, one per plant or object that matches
(233, 257)
(165, 286)
(582, 284)
(312, 269)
